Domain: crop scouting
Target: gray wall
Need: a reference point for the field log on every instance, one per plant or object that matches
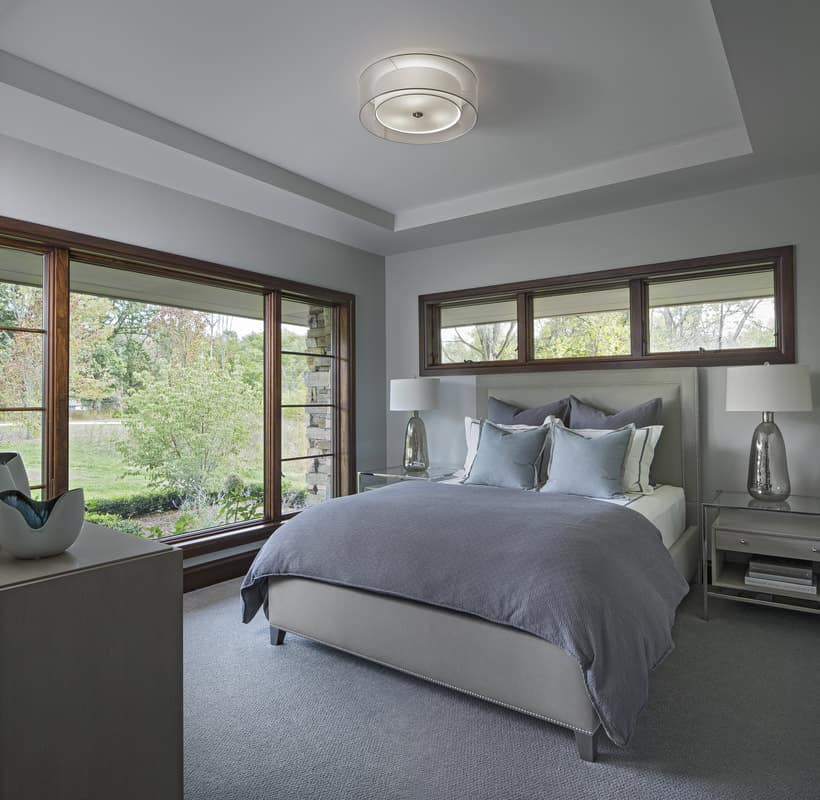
(41, 186)
(783, 212)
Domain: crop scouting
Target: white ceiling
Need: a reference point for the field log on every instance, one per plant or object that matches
(582, 104)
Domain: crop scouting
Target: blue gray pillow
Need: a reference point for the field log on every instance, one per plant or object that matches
(589, 467)
(510, 459)
(584, 415)
(508, 414)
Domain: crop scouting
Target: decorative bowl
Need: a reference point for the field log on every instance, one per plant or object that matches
(13, 473)
(31, 529)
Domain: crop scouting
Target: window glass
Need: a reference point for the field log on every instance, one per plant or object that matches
(479, 331)
(581, 324)
(305, 482)
(22, 432)
(717, 312)
(308, 404)
(166, 401)
(21, 289)
(306, 327)
(21, 358)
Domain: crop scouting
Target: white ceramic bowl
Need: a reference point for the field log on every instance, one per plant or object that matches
(59, 531)
(13, 473)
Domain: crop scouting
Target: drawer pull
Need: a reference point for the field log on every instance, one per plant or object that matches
(742, 541)
(815, 549)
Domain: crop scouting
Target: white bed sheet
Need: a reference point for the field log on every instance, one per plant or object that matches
(665, 508)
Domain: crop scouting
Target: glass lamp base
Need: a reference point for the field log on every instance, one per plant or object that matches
(415, 445)
(768, 471)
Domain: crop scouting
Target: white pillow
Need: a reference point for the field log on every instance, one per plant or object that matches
(639, 456)
(472, 429)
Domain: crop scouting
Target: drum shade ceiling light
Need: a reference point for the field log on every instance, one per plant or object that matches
(418, 98)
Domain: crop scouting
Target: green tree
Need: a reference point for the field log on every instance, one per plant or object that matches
(493, 341)
(188, 425)
(600, 333)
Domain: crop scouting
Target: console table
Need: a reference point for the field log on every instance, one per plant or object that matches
(91, 671)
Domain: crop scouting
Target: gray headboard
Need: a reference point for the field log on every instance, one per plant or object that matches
(677, 457)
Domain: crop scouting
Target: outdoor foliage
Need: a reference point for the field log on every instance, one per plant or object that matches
(187, 426)
(118, 523)
(601, 333)
(713, 326)
(493, 341)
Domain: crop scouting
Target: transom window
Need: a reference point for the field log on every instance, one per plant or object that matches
(730, 309)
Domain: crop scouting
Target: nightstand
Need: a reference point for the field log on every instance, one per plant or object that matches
(385, 476)
(735, 528)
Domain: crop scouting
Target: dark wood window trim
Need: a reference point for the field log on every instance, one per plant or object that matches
(61, 247)
(636, 280)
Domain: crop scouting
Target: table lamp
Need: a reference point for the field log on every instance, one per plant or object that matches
(766, 389)
(414, 394)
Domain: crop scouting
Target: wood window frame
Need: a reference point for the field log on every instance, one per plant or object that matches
(636, 280)
(60, 247)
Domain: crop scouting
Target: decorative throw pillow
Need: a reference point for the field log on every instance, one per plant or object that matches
(508, 458)
(472, 431)
(586, 466)
(584, 415)
(508, 414)
(639, 456)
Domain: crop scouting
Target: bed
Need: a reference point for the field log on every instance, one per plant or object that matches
(496, 662)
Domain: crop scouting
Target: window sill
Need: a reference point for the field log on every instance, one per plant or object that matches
(725, 358)
(203, 542)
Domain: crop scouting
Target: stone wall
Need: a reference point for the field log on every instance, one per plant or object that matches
(319, 381)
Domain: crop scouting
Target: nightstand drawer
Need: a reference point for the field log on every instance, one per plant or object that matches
(767, 544)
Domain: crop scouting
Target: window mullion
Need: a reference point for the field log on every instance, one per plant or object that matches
(273, 406)
(524, 317)
(638, 322)
(55, 457)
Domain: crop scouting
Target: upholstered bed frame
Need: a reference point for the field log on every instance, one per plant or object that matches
(497, 663)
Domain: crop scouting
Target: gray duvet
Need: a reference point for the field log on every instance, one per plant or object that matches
(592, 578)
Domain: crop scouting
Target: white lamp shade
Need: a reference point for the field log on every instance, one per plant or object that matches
(413, 394)
(771, 387)
(418, 98)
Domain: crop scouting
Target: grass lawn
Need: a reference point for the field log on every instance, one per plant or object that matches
(95, 463)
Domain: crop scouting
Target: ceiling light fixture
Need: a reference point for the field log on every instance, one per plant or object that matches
(418, 98)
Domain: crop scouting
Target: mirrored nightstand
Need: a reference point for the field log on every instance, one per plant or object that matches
(386, 476)
(737, 529)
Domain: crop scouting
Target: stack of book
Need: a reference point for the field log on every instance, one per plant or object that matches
(782, 574)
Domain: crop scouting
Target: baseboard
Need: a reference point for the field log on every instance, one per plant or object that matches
(198, 576)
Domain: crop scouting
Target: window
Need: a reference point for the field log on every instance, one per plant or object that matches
(729, 309)
(22, 359)
(308, 404)
(723, 312)
(581, 324)
(189, 400)
(166, 400)
(481, 331)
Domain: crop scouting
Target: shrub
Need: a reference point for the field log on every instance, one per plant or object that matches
(136, 505)
(117, 523)
(293, 495)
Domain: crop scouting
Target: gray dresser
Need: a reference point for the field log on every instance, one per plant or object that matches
(91, 671)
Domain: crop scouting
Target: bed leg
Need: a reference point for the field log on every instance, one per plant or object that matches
(277, 635)
(587, 744)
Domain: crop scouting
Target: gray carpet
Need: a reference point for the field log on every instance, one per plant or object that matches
(734, 713)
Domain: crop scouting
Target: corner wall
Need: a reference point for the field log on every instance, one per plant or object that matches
(41, 186)
(778, 213)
